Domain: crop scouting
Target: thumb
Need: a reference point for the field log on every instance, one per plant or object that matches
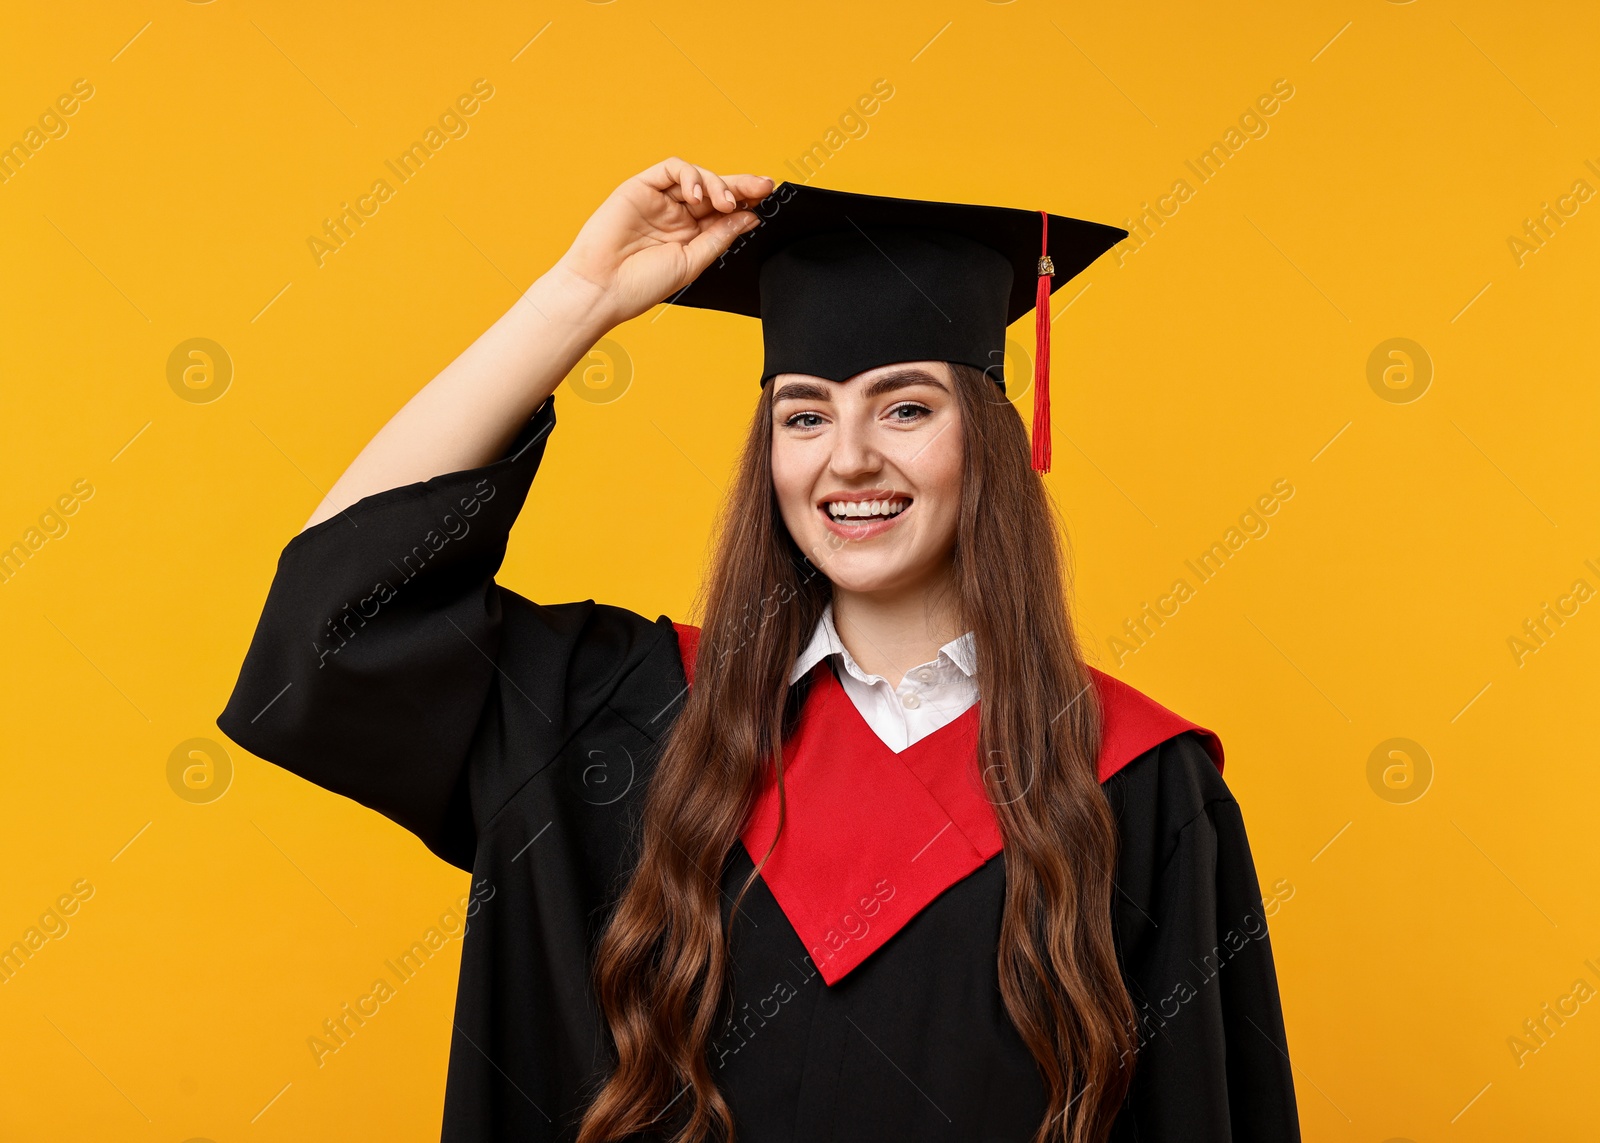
(713, 241)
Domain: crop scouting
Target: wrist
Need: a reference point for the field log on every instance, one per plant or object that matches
(567, 299)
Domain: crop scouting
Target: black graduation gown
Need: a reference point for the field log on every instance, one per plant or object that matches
(516, 740)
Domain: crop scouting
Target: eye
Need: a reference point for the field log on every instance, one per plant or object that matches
(803, 421)
(909, 412)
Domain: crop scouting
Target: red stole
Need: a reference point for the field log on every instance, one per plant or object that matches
(871, 837)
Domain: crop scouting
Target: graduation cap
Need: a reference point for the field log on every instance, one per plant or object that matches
(846, 282)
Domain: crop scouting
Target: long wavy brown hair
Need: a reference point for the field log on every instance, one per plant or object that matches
(661, 969)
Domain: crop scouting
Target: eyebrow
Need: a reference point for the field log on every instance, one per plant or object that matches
(888, 383)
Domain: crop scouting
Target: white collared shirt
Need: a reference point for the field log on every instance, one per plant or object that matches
(931, 694)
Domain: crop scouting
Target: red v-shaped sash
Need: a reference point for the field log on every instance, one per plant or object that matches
(871, 837)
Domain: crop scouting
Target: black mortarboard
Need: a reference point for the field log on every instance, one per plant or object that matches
(846, 282)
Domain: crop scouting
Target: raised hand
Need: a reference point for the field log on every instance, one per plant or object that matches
(647, 241)
(656, 233)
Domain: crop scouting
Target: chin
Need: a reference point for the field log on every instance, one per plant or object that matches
(870, 574)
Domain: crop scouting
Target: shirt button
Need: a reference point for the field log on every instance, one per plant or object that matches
(911, 702)
(925, 674)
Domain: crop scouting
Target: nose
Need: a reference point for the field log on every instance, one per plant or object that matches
(855, 452)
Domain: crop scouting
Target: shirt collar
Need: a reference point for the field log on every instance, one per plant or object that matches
(825, 641)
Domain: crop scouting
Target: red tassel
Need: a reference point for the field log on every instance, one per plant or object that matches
(1041, 352)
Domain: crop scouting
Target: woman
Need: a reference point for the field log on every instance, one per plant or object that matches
(753, 880)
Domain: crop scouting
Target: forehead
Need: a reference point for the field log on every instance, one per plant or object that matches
(866, 384)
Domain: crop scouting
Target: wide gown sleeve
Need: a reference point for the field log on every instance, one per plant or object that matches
(377, 647)
(1213, 1063)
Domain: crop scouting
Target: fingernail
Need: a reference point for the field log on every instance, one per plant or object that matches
(728, 194)
(698, 193)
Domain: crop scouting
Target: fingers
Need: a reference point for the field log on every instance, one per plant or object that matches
(716, 235)
(749, 189)
(703, 191)
(691, 187)
(680, 181)
(708, 192)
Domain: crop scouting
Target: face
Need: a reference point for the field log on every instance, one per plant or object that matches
(868, 473)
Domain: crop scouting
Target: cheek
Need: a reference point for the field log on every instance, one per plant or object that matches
(792, 480)
(937, 475)
(946, 475)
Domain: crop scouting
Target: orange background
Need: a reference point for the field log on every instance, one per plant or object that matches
(1438, 897)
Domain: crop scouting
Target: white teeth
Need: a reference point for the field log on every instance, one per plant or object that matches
(854, 509)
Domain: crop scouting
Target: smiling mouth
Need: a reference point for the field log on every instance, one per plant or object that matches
(864, 511)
